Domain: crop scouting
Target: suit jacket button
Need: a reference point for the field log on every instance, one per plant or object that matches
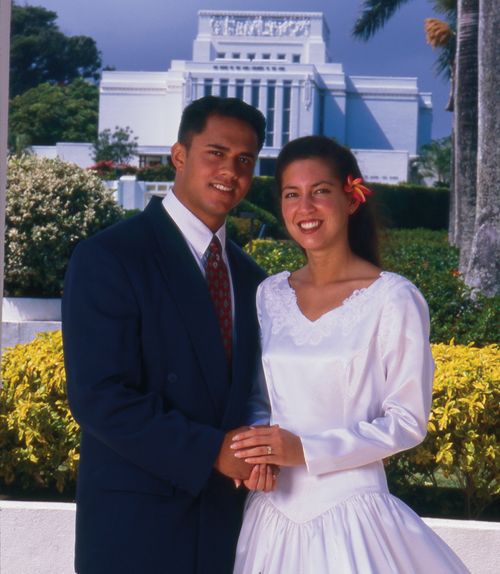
(172, 378)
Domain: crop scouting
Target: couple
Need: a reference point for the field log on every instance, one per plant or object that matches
(161, 341)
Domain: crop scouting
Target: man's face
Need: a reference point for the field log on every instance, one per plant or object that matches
(214, 173)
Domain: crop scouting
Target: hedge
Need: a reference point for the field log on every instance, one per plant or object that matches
(412, 206)
(39, 438)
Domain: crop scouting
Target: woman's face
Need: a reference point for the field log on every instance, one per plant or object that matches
(314, 204)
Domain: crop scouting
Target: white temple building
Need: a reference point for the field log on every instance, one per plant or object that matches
(278, 62)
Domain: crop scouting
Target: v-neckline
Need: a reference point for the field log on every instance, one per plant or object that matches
(353, 295)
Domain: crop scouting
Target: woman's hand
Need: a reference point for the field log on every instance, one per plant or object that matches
(270, 445)
(262, 478)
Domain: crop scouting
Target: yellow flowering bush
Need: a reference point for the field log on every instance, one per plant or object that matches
(38, 436)
(462, 447)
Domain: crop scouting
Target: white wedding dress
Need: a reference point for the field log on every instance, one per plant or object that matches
(356, 386)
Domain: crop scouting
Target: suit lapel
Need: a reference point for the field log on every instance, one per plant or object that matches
(190, 292)
(245, 337)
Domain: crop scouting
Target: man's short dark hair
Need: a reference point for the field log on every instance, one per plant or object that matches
(194, 117)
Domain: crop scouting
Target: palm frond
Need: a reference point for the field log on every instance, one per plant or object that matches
(443, 65)
(448, 7)
(437, 32)
(374, 15)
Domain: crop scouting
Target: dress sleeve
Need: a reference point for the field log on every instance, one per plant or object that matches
(405, 399)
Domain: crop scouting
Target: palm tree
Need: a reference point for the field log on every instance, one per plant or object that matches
(483, 272)
(376, 13)
(475, 166)
(435, 161)
(465, 130)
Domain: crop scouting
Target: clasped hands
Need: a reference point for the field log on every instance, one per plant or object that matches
(266, 448)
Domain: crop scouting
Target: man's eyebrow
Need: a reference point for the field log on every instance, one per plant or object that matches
(225, 148)
(217, 146)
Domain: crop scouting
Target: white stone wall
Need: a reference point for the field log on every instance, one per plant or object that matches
(38, 538)
(80, 154)
(383, 166)
(23, 318)
(150, 103)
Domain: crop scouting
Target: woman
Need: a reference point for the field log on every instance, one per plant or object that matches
(349, 375)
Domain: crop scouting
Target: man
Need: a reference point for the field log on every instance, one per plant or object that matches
(161, 348)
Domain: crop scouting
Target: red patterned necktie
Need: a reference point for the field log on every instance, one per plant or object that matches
(220, 291)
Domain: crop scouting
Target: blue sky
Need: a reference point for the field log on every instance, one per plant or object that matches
(148, 34)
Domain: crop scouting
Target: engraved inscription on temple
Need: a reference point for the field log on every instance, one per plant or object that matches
(259, 26)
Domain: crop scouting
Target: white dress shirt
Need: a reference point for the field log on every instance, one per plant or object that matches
(198, 236)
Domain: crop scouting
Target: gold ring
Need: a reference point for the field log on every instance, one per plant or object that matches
(269, 450)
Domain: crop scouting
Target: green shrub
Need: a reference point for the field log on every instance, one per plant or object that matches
(51, 206)
(426, 259)
(260, 216)
(240, 230)
(38, 436)
(276, 256)
(263, 193)
(410, 206)
(156, 172)
(461, 448)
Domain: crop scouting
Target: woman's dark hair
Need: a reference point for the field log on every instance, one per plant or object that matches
(194, 117)
(362, 227)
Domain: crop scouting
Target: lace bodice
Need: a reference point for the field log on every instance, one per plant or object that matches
(280, 302)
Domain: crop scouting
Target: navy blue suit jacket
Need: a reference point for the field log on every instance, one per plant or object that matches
(148, 384)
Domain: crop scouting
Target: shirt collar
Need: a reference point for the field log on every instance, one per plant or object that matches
(194, 230)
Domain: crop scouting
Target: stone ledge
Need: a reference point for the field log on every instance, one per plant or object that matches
(38, 537)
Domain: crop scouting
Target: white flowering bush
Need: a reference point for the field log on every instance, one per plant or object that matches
(51, 206)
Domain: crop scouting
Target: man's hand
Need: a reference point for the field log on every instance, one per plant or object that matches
(227, 464)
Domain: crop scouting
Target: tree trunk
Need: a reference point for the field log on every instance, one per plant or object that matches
(465, 127)
(483, 273)
(452, 223)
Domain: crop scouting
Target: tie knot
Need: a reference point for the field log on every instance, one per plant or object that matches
(215, 246)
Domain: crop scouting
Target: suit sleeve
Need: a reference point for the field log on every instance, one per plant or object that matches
(405, 404)
(102, 348)
(258, 408)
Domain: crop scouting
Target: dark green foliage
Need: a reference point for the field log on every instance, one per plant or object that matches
(257, 216)
(156, 172)
(48, 114)
(411, 206)
(264, 194)
(118, 146)
(109, 170)
(40, 52)
(426, 259)
(435, 161)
